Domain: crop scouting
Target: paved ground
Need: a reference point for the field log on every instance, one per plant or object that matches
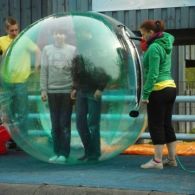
(21, 174)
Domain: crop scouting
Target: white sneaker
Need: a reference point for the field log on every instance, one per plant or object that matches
(61, 159)
(152, 165)
(171, 163)
(53, 158)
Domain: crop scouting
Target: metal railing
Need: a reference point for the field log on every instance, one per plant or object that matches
(177, 118)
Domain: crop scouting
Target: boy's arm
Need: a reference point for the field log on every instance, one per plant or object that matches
(37, 58)
(44, 75)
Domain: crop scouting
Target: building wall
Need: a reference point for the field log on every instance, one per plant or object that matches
(28, 11)
(25, 11)
(69, 5)
(175, 18)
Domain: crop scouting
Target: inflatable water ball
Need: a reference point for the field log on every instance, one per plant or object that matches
(91, 56)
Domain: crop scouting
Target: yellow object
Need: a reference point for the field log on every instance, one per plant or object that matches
(182, 148)
(17, 67)
(161, 85)
(5, 41)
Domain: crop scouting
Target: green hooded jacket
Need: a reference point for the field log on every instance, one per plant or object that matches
(157, 63)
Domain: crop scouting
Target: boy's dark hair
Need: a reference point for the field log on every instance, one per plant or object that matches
(10, 21)
(58, 29)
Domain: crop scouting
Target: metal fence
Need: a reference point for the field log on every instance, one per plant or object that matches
(186, 108)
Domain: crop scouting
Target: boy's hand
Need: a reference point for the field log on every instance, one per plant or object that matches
(73, 94)
(44, 96)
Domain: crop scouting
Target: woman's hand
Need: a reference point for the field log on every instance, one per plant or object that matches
(97, 94)
(145, 101)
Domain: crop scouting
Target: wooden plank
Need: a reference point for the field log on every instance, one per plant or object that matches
(181, 63)
(164, 15)
(89, 5)
(126, 19)
(132, 20)
(192, 17)
(157, 14)
(170, 18)
(47, 8)
(177, 18)
(82, 5)
(114, 14)
(185, 17)
(121, 17)
(58, 6)
(25, 13)
(54, 5)
(71, 5)
(139, 19)
(143, 15)
(36, 6)
(14, 9)
(61, 6)
(151, 14)
(175, 65)
(4, 12)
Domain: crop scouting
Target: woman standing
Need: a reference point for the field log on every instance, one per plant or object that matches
(159, 92)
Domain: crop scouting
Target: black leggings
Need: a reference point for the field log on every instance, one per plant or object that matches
(159, 110)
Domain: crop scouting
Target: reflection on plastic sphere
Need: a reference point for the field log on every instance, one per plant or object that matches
(90, 53)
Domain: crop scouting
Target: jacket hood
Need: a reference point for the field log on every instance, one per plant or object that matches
(166, 41)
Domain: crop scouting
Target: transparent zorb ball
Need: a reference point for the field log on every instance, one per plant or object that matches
(108, 52)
